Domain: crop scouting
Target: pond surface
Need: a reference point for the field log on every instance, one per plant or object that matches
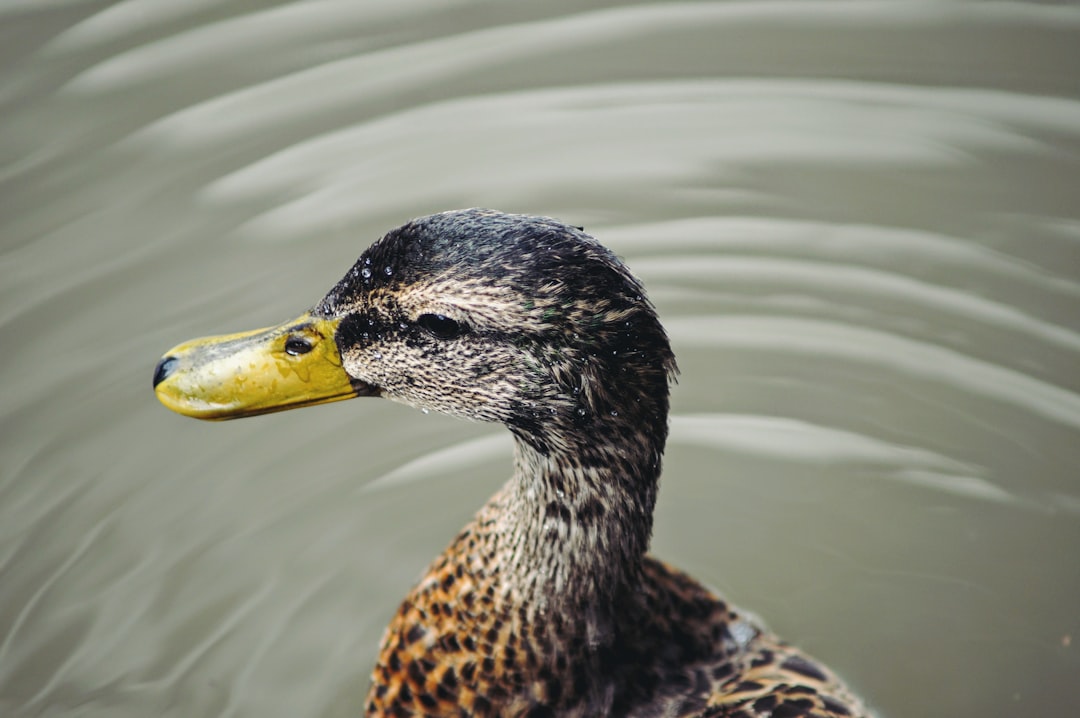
(860, 223)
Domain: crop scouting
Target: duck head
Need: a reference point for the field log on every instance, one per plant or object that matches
(483, 315)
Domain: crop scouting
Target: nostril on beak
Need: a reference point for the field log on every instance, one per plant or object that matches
(164, 368)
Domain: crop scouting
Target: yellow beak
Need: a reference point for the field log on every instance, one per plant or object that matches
(284, 367)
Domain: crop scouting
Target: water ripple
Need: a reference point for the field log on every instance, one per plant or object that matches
(89, 538)
(289, 28)
(876, 294)
(322, 182)
(830, 340)
(797, 441)
(893, 247)
(436, 464)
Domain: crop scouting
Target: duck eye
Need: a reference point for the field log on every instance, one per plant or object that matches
(440, 325)
(295, 346)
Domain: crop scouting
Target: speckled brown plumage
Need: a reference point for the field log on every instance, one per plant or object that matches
(547, 604)
(456, 648)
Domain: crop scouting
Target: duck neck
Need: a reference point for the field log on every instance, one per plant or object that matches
(576, 522)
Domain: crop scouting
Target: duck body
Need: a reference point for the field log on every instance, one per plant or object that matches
(668, 647)
(547, 603)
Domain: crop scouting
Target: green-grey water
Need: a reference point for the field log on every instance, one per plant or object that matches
(860, 222)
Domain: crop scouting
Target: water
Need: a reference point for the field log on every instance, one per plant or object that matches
(860, 222)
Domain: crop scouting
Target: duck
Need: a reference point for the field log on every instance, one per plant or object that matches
(548, 603)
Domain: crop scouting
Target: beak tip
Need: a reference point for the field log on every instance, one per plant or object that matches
(164, 369)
